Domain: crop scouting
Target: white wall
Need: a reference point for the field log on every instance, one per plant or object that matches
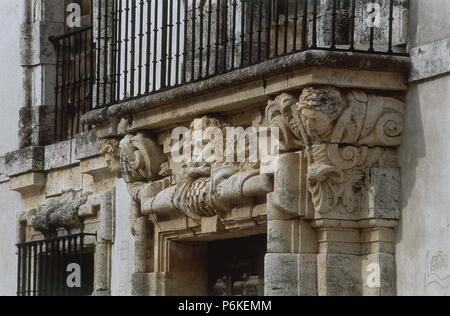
(424, 231)
(10, 203)
(423, 236)
(11, 74)
(11, 97)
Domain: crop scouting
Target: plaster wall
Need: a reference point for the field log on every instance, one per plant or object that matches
(10, 205)
(423, 247)
(11, 97)
(11, 74)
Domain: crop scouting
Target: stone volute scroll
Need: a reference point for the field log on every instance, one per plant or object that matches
(137, 159)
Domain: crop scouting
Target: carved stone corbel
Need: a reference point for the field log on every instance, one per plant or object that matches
(59, 212)
(345, 134)
(338, 176)
(206, 188)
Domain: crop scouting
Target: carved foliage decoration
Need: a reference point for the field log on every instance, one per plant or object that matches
(344, 133)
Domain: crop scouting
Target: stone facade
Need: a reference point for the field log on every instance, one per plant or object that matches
(329, 201)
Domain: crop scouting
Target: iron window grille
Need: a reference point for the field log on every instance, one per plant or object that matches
(42, 268)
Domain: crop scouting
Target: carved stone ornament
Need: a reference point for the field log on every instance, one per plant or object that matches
(197, 189)
(60, 212)
(207, 188)
(110, 150)
(344, 133)
(141, 158)
(136, 158)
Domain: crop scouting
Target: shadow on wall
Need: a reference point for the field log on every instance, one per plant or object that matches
(413, 148)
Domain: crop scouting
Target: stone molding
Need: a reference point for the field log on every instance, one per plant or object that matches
(265, 72)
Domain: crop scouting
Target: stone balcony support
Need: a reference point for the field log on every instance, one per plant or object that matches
(330, 205)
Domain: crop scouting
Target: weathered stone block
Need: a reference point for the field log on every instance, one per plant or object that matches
(307, 275)
(286, 187)
(383, 193)
(281, 275)
(148, 284)
(36, 124)
(95, 167)
(290, 275)
(378, 275)
(282, 236)
(58, 155)
(87, 145)
(430, 60)
(63, 180)
(274, 212)
(339, 275)
(24, 160)
(101, 279)
(211, 225)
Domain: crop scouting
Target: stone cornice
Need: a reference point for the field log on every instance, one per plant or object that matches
(314, 58)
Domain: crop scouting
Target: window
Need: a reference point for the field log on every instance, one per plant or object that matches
(43, 267)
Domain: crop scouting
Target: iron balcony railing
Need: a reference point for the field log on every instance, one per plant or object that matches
(75, 74)
(42, 266)
(139, 47)
(146, 46)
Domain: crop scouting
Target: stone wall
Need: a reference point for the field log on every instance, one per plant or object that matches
(329, 225)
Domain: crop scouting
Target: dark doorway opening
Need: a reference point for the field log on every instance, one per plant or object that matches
(236, 266)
